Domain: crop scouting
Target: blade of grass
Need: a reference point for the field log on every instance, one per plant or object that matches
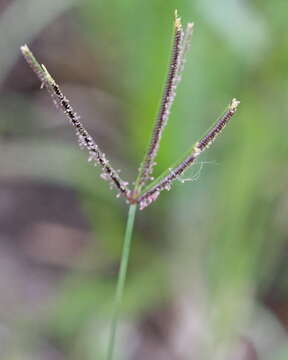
(121, 279)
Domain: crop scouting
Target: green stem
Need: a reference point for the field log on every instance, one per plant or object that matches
(121, 278)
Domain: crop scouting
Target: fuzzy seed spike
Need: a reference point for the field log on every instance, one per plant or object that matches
(174, 173)
(168, 97)
(84, 138)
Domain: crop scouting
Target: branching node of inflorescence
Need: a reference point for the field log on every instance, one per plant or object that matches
(146, 190)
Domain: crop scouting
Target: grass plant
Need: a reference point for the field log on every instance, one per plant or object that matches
(146, 189)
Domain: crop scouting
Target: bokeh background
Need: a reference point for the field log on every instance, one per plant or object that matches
(208, 270)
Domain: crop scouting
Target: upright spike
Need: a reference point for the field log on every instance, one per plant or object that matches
(167, 100)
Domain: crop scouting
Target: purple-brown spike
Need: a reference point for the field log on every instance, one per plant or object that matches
(165, 183)
(167, 100)
(85, 140)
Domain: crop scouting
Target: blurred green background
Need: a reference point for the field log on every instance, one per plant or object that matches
(207, 276)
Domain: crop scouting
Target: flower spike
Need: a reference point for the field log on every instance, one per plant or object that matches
(181, 43)
(84, 138)
(176, 63)
(172, 174)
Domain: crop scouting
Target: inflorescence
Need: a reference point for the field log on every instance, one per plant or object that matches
(181, 43)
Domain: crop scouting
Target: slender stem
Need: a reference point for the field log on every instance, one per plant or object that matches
(121, 278)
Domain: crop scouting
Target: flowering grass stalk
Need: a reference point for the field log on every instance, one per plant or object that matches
(141, 195)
